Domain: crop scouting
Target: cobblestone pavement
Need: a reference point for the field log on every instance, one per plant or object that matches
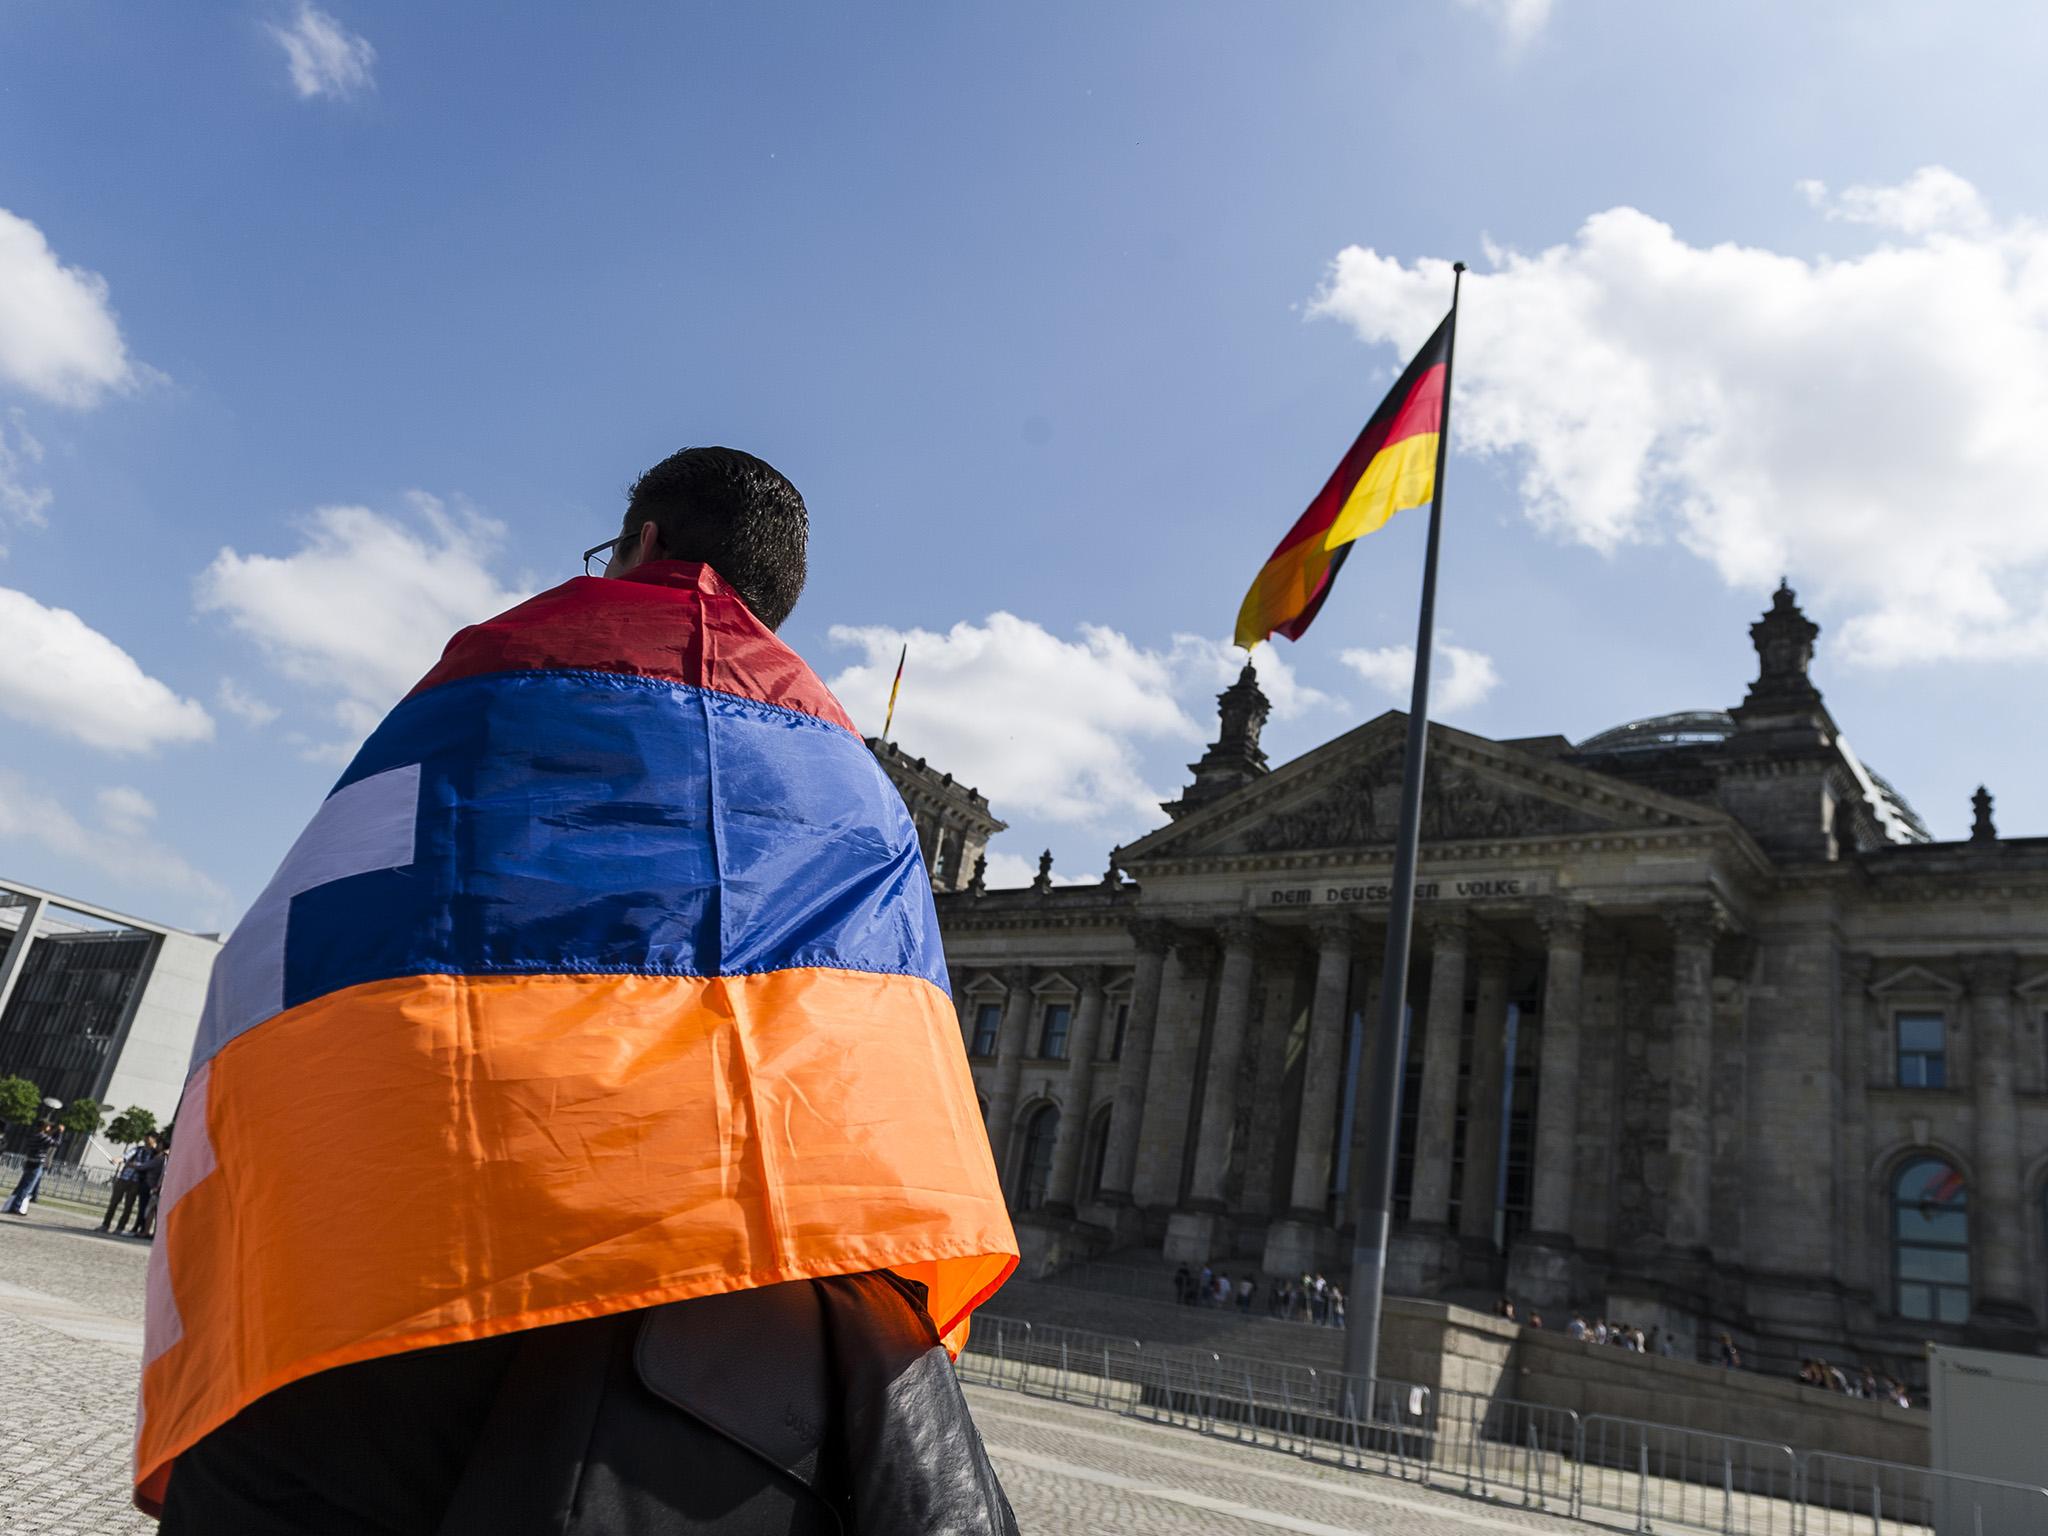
(1082, 1470)
(70, 1342)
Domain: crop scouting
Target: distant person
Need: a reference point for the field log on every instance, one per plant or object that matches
(1246, 1288)
(124, 1204)
(1536, 1320)
(1730, 1356)
(42, 1143)
(151, 1172)
(1577, 1328)
(1183, 1286)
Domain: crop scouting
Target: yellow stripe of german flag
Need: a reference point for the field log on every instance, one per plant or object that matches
(1390, 468)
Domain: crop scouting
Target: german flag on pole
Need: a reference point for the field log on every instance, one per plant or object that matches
(1391, 468)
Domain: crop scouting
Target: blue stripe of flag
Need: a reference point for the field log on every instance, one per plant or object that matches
(579, 823)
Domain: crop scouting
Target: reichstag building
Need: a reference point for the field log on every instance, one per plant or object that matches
(1704, 1029)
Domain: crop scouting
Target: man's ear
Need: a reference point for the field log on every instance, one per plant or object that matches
(650, 543)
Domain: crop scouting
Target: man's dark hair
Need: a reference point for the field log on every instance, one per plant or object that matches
(736, 514)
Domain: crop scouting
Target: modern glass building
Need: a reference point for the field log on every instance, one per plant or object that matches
(96, 1004)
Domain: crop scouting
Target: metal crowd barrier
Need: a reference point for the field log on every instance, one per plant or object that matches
(1596, 1467)
(1500, 1448)
(1665, 1475)
(1860, 1497)
(60, 1182)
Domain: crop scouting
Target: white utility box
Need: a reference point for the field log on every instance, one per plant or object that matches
(1990, 1416)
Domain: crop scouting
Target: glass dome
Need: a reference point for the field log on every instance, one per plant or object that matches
(1688, 728)
(1710, 727)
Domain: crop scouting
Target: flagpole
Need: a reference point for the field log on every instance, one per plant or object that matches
(1382, 1107)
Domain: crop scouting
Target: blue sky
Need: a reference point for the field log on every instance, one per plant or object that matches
(323, 331)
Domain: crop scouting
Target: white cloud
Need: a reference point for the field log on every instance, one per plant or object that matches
(363, 607)
(1460, 680)
(23, 502)
(59, 673)
(244, 705)
(1050, 728)
(125, 809)
(58, 339)
(1932, 198)
(1869, 425)
(1204, 662)
(326, 59)
(1520, 20)
(1043, 726)
(117, 844)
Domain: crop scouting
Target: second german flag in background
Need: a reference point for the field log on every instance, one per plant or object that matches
(1390, 468)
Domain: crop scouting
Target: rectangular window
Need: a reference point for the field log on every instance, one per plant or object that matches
(1923, 1052)
(988, 1022)
(1052, 1038)
(1116, 1046)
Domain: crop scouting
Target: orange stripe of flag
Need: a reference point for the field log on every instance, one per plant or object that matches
(1389, 468)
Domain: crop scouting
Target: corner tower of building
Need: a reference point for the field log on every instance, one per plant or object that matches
(1235, 758)
(953, 820)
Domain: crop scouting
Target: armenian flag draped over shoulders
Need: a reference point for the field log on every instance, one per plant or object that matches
(606, 976)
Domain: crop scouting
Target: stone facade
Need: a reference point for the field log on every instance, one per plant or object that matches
(1704, 1031)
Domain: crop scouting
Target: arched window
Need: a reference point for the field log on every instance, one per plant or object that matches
(1035, 1183)
(1931, 1242)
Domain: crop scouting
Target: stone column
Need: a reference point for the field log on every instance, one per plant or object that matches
(1366, 1003)
(1541, 1270)
(945, 874)
(1692, 1048)
(1126, 1118)
(1073, 1131)
(1484, 1131)
(1009, 1073)
(1998, 1241)
(1270, 1155)
(1852, 1139)
(1166, 1146)
(1297, 1243)
(1226, 1049)
(14, 954)
(1429, 1198)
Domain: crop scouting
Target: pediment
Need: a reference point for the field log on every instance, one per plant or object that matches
(1915, 981)
(1347, 794)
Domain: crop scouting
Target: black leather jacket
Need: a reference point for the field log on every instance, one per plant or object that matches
(817, 1408)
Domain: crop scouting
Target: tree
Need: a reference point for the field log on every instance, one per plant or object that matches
(20, 1100)
(82, 1115)
(130, 1126)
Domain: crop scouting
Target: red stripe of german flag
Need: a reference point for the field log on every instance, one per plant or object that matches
(1391, 468)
